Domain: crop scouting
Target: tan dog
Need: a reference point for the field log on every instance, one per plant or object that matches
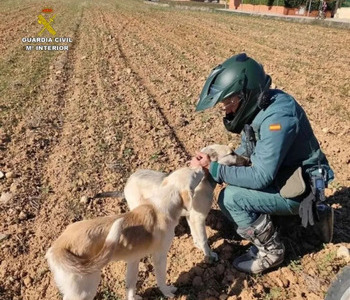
(77, 256)
(144, 183)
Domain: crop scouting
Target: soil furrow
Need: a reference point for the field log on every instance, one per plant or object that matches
(37, 135)
(157, 113)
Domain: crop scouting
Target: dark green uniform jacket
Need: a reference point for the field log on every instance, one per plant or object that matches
(284, 139)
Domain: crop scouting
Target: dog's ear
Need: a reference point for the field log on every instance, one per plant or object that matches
(234, 160)
(228, 160)
(213, 155)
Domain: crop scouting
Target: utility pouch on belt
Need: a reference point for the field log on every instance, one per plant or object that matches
(318, 177)
(318, 182)
(290, 182)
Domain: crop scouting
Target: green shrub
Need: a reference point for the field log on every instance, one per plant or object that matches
(293, 3)
(265, 2)
(315, 4)
(344, 3)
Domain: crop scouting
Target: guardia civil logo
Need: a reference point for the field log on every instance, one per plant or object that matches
(46, 39)
(46, 23)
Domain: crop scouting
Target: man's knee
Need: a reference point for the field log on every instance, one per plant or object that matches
(233, 203)
(230, 198)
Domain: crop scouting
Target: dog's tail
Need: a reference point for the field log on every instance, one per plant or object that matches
(62, 258)
(114, 194)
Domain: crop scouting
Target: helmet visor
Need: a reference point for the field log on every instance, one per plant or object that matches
(210, 100)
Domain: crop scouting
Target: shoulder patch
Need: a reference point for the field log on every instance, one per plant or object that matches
(275, 127)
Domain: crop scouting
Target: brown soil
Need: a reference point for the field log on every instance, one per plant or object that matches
(79, 122)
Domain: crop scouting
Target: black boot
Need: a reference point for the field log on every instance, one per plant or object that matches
(263, 234)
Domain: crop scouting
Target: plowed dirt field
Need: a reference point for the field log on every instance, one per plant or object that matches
(77, 122)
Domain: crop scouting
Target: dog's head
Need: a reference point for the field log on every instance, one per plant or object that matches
(184, 181)
(224, 155)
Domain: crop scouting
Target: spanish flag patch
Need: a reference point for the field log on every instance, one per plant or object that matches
(275, 127)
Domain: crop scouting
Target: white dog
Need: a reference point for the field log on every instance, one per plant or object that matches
(143, 184)
(77, 256)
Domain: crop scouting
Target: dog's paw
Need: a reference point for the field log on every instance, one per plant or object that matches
(168, 291)
(212, 257)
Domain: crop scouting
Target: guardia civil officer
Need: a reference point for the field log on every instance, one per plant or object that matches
(288, 170)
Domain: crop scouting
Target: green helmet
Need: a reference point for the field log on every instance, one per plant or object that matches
(238, 75)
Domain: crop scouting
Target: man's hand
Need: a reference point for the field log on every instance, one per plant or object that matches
(200, 160)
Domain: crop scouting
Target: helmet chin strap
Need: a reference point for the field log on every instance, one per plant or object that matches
(231, 120)
(231, 124)
(230, 116)
(228, 123)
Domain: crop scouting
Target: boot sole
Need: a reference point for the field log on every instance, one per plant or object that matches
(273, 267)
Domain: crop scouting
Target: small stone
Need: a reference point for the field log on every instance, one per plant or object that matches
(84, 200)
(325, 130)
(3, 237)
(184, 279)
(197, 282)
(128, 70)
(220, 269)
(230, 278)
(259, 288)
(285, 282)
(2, 175)
(227, 248)
(223, 297)
(4, 138)
(22, 216)
(328, 192)
(343, 252)
(5, 197)
(27, 281)
(10, 175)
(198, 270)
(245, 242)
(279, 282)
(13, 187)
(245, 284)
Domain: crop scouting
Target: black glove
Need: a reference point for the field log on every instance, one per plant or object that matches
(308, 211)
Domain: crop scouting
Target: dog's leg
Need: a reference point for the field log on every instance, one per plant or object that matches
(160, 270)
(197, 222)
(131, 279)
(193, 231)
